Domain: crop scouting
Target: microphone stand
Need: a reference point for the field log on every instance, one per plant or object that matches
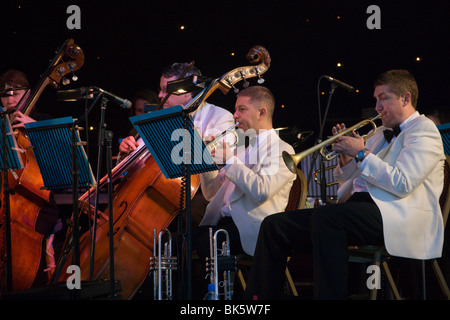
(323, 186)
(101, 143)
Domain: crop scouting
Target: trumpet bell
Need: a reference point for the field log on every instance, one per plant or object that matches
(291, 161)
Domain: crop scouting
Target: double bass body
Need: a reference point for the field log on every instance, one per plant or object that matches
(143, 200)
(25, 204)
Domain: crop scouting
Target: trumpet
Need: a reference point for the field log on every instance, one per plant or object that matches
(162, 262)
(214, 144)
(221, 260)
(317, 180)
(292, 160)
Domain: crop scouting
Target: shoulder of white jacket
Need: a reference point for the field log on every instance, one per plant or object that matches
(212, 107)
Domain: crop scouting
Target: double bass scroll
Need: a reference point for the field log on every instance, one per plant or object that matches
(68, 59)
(257, 55)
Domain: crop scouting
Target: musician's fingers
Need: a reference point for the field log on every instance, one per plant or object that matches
(356, 134)
(334, 131)
(208, 138)
(18, 125)
(126, 147)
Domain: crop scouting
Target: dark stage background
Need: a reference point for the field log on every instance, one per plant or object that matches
(126, 44)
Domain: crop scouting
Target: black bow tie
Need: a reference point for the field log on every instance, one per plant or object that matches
(250, 141)
(389, 134)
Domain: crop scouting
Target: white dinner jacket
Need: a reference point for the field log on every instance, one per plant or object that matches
(260, 189)
(405, 179)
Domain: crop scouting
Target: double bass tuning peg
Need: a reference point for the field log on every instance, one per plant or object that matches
(65, 81)
(72, 67)
(245, 84)
(61, 71)
(260, 79)
(230, 83)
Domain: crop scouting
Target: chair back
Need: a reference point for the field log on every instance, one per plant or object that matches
(297, 195)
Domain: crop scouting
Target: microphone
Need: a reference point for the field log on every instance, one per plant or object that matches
(77, 94)
(124, 103)
(88, 93)
(339, 83)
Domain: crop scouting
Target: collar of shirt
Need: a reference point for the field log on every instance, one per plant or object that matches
(410, 118)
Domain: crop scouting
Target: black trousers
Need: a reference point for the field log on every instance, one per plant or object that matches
(326, 231)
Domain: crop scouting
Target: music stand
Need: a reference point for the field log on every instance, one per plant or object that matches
(10, 160)
(71, 170)
(54, 137)
(179, 151)
(444, 129)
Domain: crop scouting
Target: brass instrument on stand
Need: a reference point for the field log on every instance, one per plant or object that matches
(220, 260)
(162, 264)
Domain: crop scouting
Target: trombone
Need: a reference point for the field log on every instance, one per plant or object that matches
(292, 160)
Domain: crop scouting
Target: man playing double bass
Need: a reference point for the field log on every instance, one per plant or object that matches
(16, 86)
(211, 120)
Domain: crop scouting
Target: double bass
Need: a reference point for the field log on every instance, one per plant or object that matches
(143, 201)
(29, 196)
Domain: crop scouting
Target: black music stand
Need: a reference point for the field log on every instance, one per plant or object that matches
(59, 138)
(179, 152)
(10, 160)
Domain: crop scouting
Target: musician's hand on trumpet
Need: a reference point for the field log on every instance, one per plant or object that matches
(220, 147)
(222, 153)
(348, 146)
